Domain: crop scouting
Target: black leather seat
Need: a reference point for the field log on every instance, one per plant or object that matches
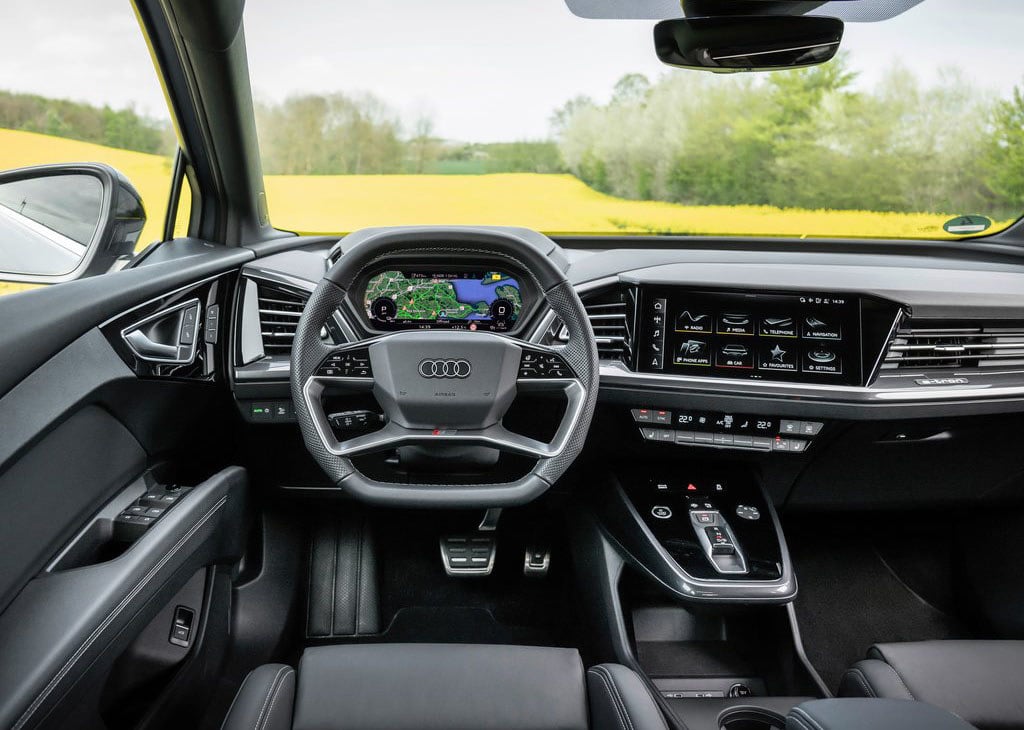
(981, 681)
(442, 687)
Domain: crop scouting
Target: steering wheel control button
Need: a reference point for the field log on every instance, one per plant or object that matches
(543, 365)
(354, 420)
(747, 512)
(661, 512)
(348, 364)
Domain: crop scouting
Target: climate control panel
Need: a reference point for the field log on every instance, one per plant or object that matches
(725, 430)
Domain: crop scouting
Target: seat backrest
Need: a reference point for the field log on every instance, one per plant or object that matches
(440, 686)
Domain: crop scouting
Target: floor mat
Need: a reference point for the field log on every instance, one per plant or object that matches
(417, 601)
(849, 599)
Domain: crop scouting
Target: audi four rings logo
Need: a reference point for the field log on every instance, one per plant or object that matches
(445, 368)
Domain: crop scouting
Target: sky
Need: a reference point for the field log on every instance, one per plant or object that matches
(483, 70)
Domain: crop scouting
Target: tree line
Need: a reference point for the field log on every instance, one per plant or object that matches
(121, 128)
(803, 139)
(360, 134)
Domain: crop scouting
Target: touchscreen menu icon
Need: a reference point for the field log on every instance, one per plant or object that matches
(691, 321)
(735, 324)
(822, 359)
(734, 355)
(816, 328)
(778, 327)
(693, 352)
(778, 356)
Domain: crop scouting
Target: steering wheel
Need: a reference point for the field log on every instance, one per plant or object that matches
(444, 387)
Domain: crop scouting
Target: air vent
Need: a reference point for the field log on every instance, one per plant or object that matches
(280, 310)
(611, 317)
(957, 346)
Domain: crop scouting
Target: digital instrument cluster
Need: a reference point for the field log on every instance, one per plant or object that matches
(443, 299)
(812, 337)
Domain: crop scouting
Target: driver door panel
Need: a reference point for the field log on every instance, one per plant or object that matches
(86, 432)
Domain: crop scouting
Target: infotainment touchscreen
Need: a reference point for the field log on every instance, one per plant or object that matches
(464, 299)
(807, 337)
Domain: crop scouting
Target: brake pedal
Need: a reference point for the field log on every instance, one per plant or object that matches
(468, 555)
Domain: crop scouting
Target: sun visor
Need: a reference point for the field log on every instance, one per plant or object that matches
(850, 11)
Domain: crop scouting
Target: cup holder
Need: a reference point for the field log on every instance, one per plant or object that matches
(750, 718)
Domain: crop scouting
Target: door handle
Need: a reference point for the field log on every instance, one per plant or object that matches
(149, 349)
(169, 336)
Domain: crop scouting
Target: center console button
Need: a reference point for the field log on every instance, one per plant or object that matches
(643, 415)
(704, 518)
(788, 427)
(748, 512)
(661, 512)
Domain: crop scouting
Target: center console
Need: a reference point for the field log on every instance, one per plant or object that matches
(707, 533)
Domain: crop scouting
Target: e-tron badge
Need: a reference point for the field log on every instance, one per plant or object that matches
(445, 368)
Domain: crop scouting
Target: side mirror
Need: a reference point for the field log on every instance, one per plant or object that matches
(730, 43)
(64, 222)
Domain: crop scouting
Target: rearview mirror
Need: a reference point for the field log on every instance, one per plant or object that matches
(64, 222)
(726, 44)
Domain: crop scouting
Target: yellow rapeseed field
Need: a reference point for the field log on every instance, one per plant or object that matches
(550, 203)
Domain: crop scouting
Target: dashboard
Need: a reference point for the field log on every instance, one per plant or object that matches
(838, 361)
(803, 330)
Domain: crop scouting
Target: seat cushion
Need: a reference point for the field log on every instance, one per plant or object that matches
(442, 686)
(877, 714)
(981, 681)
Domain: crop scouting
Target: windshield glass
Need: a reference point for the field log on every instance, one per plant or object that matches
(518, 112)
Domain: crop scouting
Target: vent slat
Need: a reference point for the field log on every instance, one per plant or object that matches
(609, 317)
(279, 312)
(973, 345)
(610, 312)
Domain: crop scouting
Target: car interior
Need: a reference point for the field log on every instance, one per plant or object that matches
(261, 479)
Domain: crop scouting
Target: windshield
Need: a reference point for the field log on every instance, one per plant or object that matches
(521, 113)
